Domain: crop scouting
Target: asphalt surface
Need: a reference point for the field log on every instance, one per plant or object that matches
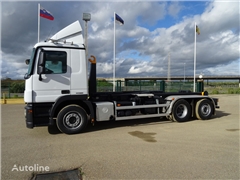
(139, 149)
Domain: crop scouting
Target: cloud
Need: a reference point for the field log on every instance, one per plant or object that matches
(104, 68)
(233, 67)
(12, 66)
(228, 19)
(174, 8)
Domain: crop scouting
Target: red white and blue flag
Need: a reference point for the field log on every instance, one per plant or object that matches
(46, 14)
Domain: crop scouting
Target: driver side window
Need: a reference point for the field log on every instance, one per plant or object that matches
(55, 62)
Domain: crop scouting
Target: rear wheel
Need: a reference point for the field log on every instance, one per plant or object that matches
(181, 111)
(204, 109)
(72, 119)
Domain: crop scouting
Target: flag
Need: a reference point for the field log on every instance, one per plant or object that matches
(197, 30)
(119, 19)
(46, 14)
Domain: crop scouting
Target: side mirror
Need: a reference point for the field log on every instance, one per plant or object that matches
(27, 61)
(41, 68)
(41, 59)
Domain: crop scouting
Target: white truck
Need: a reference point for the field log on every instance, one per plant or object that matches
(59, 92)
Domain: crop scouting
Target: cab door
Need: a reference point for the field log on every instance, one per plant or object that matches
(52, 74)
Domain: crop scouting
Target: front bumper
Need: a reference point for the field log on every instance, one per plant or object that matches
(29, 116)
(216, 103)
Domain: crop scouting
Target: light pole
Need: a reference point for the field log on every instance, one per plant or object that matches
(184, 72)
(86, 18)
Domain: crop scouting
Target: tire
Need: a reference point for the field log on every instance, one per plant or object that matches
(181, 111)
(204, 109)
(72, 119)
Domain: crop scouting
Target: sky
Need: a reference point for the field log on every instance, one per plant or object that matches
(154, 33)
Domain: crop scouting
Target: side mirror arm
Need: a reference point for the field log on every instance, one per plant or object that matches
(27, 61)
(40, 77)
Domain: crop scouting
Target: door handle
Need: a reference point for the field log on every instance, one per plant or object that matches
(65, 91)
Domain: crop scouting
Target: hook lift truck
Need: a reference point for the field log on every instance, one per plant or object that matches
(57, 91)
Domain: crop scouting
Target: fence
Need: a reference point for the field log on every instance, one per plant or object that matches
(150, 86)
(165, 86)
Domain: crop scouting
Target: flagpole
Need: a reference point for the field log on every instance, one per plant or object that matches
(114, 52)
(195, 51)
(38, 21)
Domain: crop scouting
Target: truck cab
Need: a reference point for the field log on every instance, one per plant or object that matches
(57, 68)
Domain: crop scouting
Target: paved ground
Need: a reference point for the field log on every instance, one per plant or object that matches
(12, 101)
(140, 149)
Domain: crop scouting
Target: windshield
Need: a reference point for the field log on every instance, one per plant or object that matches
(31, 62)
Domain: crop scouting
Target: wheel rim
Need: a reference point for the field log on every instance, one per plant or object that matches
(205, 109)
(181, 111)
(72, 120)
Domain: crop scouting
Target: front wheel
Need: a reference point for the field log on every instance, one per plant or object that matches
(72, 119)
(204, 109)
(181, 111)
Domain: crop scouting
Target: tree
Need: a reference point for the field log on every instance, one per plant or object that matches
(17, 87)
